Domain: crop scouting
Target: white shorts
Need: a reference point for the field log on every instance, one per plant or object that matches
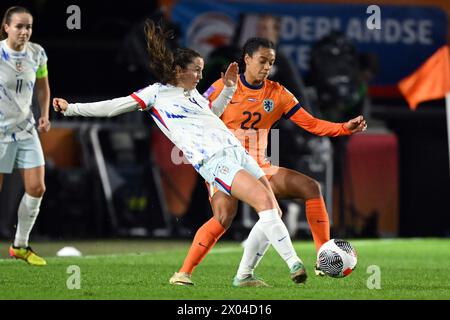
(24, 154)
(220, 170)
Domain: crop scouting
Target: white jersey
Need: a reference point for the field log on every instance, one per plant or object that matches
(187, 120)
(17, 79)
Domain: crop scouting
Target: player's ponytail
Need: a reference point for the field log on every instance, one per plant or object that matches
(7, 19)
(162, 60)
(251, 46)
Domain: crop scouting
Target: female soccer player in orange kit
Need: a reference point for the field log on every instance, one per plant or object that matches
(256, 106)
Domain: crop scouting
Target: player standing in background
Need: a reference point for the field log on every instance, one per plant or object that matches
(255, 108)
(23, 69)
(190, 121)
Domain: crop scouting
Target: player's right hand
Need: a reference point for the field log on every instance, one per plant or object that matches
(230, 77)
(60, 105)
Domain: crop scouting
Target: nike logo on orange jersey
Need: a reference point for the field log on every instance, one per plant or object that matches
(233, 102)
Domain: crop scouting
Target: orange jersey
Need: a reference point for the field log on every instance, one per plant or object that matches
(254, 110)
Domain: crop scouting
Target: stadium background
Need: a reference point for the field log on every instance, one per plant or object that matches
(399, 169)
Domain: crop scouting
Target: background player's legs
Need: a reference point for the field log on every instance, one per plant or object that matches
(290, 184)
(33, 180)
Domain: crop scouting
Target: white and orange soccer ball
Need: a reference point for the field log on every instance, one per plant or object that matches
(337, 258)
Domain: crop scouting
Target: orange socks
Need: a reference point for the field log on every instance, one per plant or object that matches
(205, 238)
(316, 214)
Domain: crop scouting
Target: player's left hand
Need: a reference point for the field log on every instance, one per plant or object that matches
(231, 75)
(44, 124)
(357, 124)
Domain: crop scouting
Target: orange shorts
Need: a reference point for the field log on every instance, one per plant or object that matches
(267, 167)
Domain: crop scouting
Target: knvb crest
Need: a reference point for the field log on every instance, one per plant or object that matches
(268, 105)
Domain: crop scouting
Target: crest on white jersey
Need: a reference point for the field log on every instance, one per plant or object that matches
(19, 66)
(224, 170)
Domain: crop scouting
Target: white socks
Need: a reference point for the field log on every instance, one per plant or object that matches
(255, 247)
(269, 229)
(27, 214)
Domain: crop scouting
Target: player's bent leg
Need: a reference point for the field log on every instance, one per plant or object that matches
(252, 191)
(290, 184)
(224, 209)
(247, 188)
(255, 248)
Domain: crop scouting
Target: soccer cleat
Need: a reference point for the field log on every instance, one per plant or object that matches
(318, 271)
(181, 279)
(298, 273)
(250, 281)
(27, 254)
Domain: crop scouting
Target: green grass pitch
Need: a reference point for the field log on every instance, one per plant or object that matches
(138, 269)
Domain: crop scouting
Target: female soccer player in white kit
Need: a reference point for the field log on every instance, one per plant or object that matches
(192, 124)
(23, 68)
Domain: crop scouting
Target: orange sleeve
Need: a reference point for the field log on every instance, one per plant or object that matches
(288, 101)
(214, 90)
(317, 126)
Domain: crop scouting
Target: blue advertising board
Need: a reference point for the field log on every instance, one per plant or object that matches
(406, 37)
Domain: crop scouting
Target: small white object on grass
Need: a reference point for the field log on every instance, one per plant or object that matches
(68, 252)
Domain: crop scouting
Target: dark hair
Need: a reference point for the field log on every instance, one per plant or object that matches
(7, 19)
(162, 60)
(251, 46)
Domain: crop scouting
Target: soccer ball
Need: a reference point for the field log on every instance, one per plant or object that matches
(337, 258)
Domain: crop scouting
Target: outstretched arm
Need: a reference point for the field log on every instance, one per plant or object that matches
(326, 128)
(230, 80)
(107, 108)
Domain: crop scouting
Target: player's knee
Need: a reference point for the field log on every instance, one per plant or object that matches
(225, 217)
(265, 202)
(312, 189)
(36, 191)
(224, 211)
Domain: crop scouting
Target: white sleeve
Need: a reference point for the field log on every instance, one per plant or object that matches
(146, 97)
(219, 104)
(139, 100)
(107, 108)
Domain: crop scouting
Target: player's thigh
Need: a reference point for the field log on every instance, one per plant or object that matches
(8, 154)
(291, 184)
(252, 191)
(30, 161)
